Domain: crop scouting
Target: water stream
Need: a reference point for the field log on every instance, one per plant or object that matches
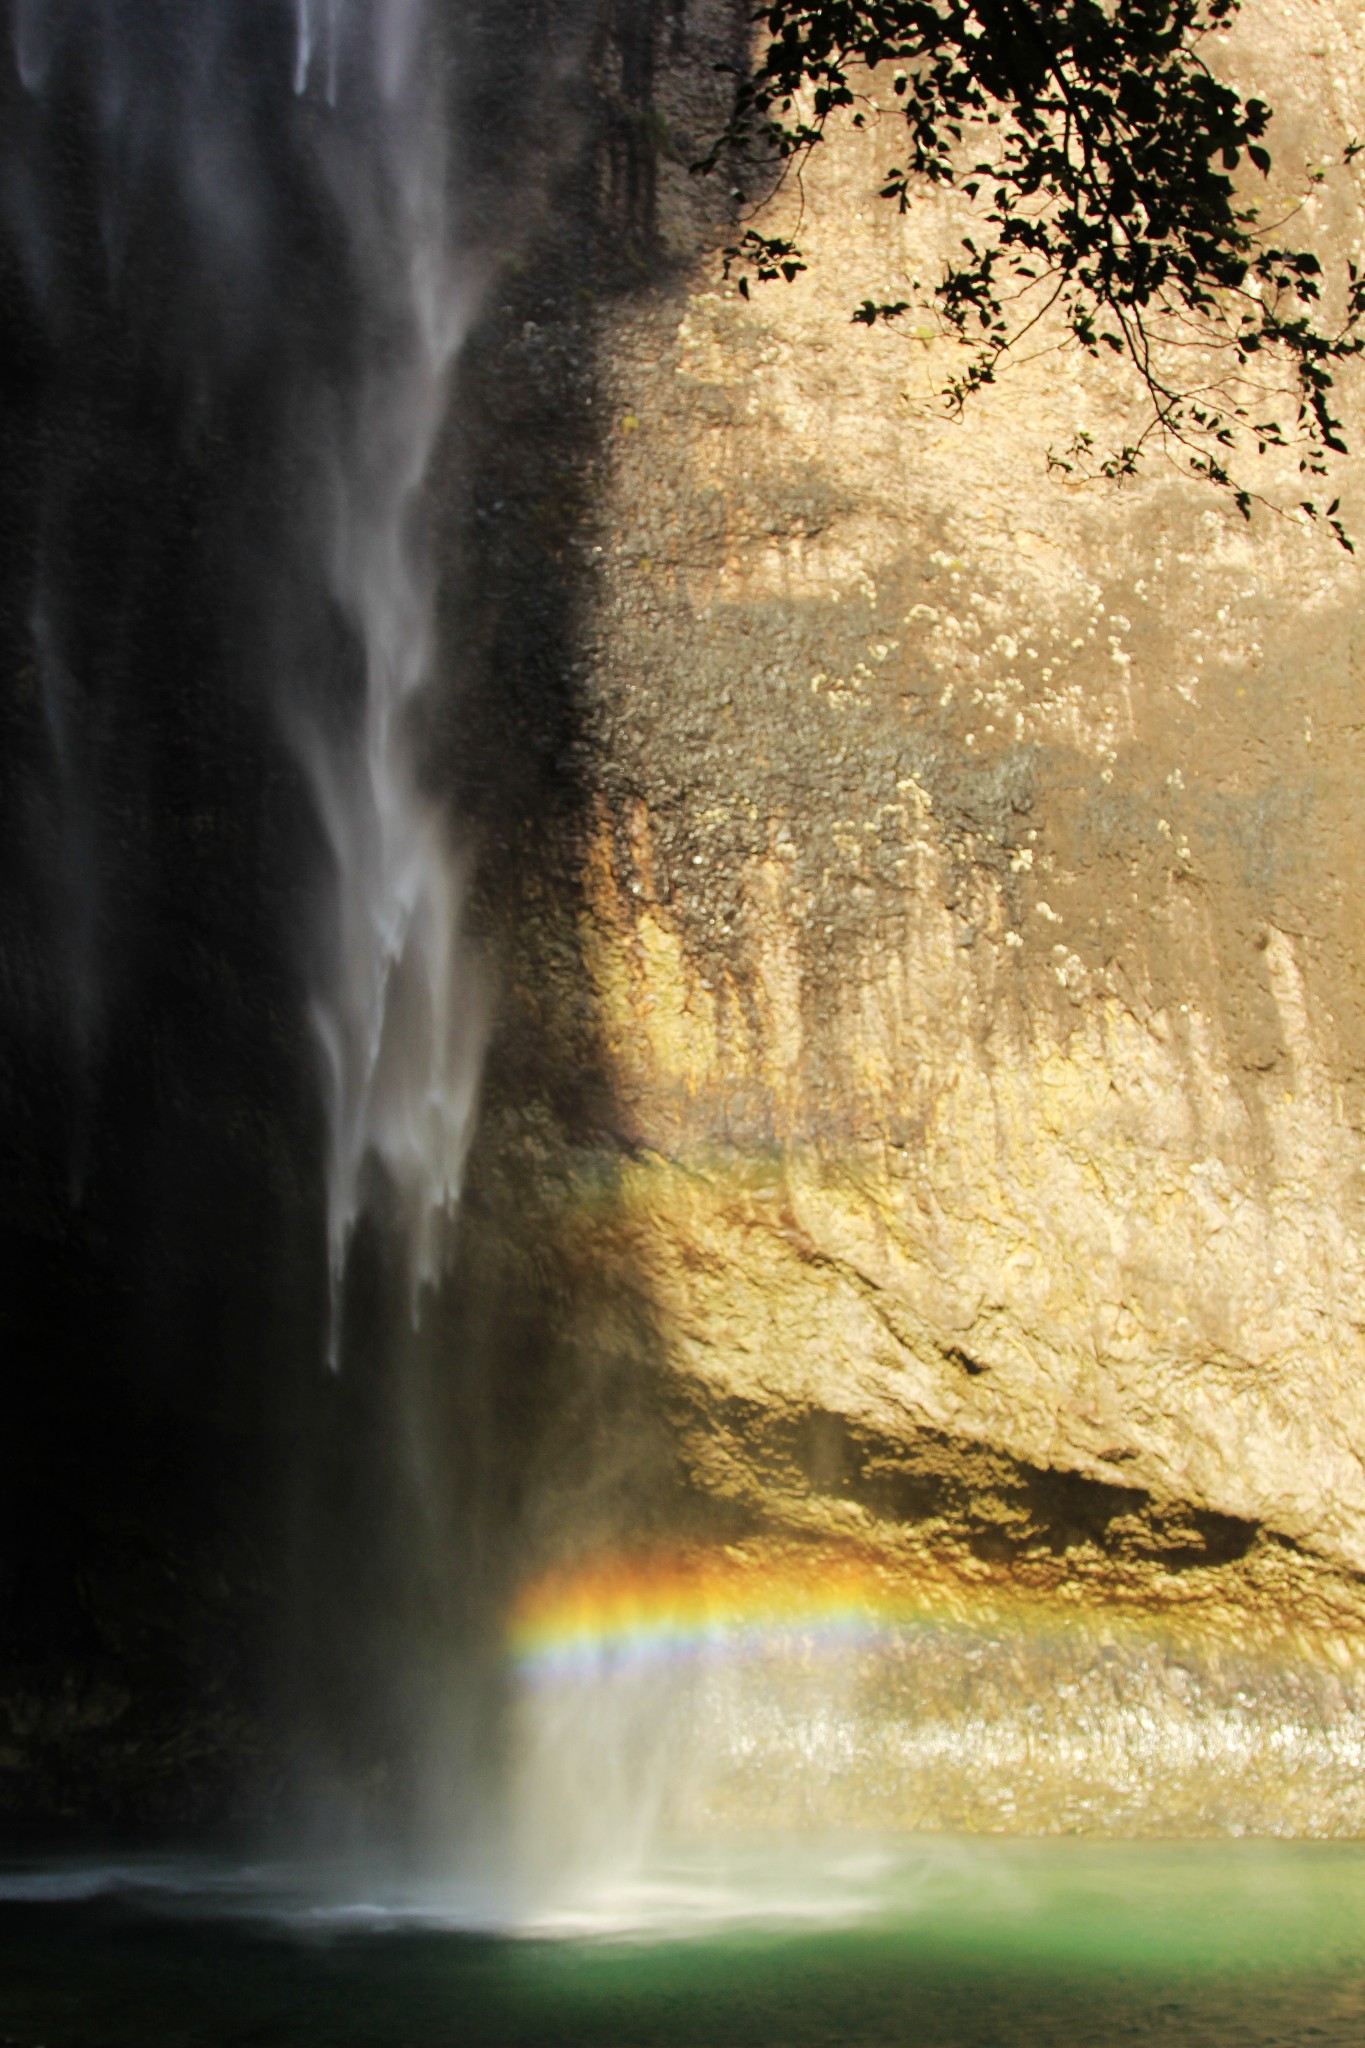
(398, 1017)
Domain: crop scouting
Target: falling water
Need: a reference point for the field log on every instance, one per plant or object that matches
(218, 129)
(235, 235)
(397, 1019)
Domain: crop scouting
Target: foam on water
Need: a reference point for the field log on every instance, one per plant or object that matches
(1194, 1901)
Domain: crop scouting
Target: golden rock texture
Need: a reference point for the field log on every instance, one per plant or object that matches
(962, 933)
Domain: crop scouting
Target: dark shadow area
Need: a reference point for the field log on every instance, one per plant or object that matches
(527, 1419)
(1002, 1509)
(158, 1207)
(225, 1574)
(543, 1364)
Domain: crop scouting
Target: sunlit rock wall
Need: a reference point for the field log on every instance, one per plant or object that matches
(955, 946)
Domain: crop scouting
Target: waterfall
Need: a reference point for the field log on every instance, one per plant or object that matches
(396, 1019)
(274, 203)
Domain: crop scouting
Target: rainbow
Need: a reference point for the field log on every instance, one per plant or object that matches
(701, 1605)
(622, 1612)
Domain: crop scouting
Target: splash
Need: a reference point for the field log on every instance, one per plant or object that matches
(662, 1696)
(711, 1693)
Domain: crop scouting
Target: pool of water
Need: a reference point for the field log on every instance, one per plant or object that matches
(931, 1943)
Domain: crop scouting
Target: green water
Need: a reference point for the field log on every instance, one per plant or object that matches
(933, 1944)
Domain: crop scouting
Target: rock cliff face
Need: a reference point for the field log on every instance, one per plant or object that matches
(926, 1112)
(924, 1105)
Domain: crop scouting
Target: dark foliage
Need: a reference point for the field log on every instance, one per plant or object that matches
(1101, 154)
